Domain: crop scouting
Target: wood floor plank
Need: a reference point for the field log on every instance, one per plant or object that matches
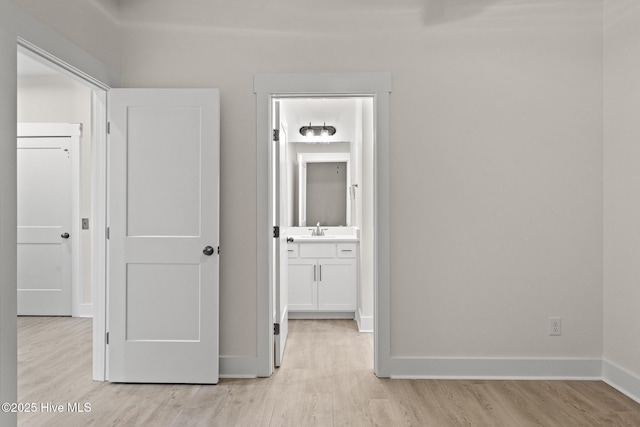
(411, 410)
(348, 405)
(326, 379)
(317, 409)
(288, 410)
(380, 413)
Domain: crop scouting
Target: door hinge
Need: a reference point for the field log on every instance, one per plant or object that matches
(276, 329)
(218, 250)
(276, 231)
(276, 134)
(108, 232)
(108, 128)
(107, 338)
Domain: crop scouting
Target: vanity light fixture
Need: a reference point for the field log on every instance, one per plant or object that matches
(323, 131)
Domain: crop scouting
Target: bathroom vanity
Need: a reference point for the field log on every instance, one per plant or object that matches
(323, 275)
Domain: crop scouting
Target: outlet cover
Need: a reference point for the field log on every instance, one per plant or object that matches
(555, 326)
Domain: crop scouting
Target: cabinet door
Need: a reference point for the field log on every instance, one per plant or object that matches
(303, 290)
(337, 284)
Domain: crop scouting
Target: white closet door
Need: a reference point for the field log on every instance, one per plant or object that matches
(164, 228)
(44, 226)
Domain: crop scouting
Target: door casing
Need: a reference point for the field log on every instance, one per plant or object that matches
(267, 87)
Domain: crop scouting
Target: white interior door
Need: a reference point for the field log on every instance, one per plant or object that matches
(44, 226)
(281, 261)
(163, 240)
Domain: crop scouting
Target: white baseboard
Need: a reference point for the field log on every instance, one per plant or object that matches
(365, 323)
(478, 368)
(238, 367)
(622, 380)
(472, 368)
(84, 310)
(321, 315)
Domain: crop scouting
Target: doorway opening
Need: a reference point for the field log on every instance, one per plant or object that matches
(54, 191)
(43, 79)
(322, 188)
(164, 102)
(371, 91)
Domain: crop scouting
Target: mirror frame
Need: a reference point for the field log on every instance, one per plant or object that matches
(303, 159)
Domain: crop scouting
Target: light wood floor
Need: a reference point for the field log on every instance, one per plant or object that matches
(326, 380)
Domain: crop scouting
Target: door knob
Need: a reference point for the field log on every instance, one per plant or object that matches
(290, 239)
(208, 251)
(65, 235)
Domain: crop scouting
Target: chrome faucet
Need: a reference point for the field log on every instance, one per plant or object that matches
(317, 231)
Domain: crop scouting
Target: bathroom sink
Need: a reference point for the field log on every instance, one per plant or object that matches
(332, 234)
(316, 239)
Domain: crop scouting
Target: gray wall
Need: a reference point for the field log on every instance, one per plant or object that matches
(496, 155)
(92, 25)
(622, 186)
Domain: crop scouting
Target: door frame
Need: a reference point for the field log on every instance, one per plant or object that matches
(267, 87)
(99, 200)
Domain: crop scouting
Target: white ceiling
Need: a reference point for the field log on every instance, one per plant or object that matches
(301, 111)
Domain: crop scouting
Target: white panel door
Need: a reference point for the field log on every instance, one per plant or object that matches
(44, 225)
(282, 271)
(164, 227)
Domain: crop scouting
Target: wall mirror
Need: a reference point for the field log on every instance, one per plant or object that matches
(323, 183)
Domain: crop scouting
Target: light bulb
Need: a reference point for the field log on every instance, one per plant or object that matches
(325, 132)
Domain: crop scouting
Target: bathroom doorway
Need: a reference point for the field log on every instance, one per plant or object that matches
(323, 188)
(319, 119)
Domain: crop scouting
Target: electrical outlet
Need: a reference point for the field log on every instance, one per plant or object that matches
(555, 326)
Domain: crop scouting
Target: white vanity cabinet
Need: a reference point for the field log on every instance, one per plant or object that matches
(323, 277)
